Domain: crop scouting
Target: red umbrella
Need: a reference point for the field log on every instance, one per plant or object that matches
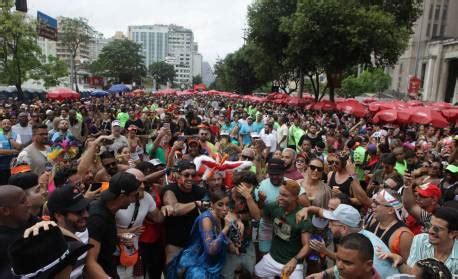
(369, 100)
(296, 101)
(442, 105)
(63, 94)
(415, 103)
(427, 116)
(324, 105)
(352, 107)
(401, 116)
(451, 114)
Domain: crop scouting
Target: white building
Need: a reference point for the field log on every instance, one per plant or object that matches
(208, 77)
(438, 23)
(98, 42)
(48, 48)
(170, 43)
(154, 41)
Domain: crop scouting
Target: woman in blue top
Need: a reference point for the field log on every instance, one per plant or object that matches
(204, 256)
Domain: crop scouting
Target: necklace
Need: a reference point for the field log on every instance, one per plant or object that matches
(384, 231)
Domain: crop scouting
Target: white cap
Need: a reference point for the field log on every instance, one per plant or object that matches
(49, 112)
(115, 123)
(345, 214)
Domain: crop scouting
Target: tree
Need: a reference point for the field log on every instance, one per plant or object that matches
(120, 59)
(196, 80)
(267, 43)
(19, 50)
(374, 80)
(336, 35)
(162, 72)
(74, 33)
(51, 72)
(236, 73)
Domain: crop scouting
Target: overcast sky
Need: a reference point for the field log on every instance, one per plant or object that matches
(217, 24)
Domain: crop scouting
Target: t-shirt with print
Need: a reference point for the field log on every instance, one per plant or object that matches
(286, 240)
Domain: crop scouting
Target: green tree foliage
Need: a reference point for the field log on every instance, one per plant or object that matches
(236, 73)
(162, 72)
(51, 72)
(373, 81)
(121, 60)
(336, 35)
(73, 33)
(297, 38)
(19, 51)
(196, 80)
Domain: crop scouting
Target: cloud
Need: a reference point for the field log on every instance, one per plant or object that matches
(218, 25)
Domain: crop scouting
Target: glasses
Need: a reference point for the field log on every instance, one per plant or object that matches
(333, 162)
(300, 162)
(247, 158)
(188, 174)
(315, 168)
(112, 164)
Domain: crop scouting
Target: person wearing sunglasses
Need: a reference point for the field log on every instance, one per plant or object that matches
(69, 209)
(439, 243)
(318, 193)
(387, 223)
(181, 203)
(340, 180)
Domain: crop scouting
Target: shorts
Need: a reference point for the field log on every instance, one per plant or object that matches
(269, 268)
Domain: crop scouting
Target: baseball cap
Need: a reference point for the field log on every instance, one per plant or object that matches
(452, 168)
(120, 183)
(25, 180)
(155, 162)
(276, 166)
(319, 223)
(429, 190)
(115, 123)
(345, 214)
(67, 198)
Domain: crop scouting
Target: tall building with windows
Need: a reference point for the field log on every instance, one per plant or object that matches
(431, 54)
(170, 43)
(154, 40)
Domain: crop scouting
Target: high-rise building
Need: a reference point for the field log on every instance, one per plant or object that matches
(154, 41)
(170, 43)
(432, 53)
(48, 48)
(207, 74)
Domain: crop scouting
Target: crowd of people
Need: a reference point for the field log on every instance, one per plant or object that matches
(214, 187)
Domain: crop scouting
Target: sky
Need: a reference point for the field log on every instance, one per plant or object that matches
(217, 24)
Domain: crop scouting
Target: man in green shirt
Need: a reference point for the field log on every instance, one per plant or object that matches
(290, 242)
(123, 116)
(401, 164)
(295, 133)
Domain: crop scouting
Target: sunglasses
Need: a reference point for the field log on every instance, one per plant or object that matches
(300, 162)
(436, 229)
(315, 168)
(113, 164)
(247, 158)
(333, 162)
(188, 174)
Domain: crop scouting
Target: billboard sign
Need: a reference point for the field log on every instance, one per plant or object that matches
(46, 26)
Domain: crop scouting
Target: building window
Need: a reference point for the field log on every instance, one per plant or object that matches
(442, 33)
(428, 30)
(435, 30)
(437, 12)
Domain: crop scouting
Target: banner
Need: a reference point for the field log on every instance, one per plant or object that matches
(46, 26)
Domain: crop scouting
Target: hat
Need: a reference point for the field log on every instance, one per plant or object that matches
(392, 202)
(345, 214)
(31, 257)
(132, 127)
(120, 183)
(192, 141)
(156, 162)
(254, 135)
(115, 123)
(429, 190)
(452, 168)
(224, 134)
(67, 198)
(48, 112)
(372, 148)
(184, 165)
(319, 223)
(25, 180)
(276, 166)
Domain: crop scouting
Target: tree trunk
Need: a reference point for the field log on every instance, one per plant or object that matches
(76, 79)
(300, 89)
(20, 93)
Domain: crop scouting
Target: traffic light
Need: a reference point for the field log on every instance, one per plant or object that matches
(21, 5)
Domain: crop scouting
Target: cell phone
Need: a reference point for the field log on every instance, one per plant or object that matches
(181, 138)
(95, 186)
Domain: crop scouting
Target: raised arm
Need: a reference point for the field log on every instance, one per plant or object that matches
(213, 244)
(87, 159)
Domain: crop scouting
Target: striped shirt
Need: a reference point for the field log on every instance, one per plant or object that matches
(422, 249)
